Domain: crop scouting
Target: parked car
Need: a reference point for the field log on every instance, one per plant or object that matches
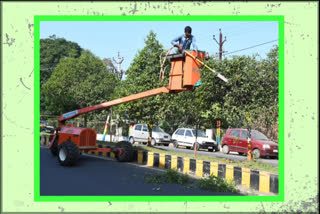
(139, 133)
(44, 127)
(237, 140)
(187, 137)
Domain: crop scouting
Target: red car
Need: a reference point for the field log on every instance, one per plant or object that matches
(236, 140)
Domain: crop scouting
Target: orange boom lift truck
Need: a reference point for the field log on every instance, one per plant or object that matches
(69, 141)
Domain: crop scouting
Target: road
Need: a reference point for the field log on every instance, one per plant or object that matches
(231, 155)
(93, 176)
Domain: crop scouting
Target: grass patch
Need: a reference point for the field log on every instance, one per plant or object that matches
(211, 183)
(217, 184)
(170, 176)
(247, 164)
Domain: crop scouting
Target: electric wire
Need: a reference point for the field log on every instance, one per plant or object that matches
(251, 47)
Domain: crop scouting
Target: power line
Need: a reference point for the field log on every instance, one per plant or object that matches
(251, 47)
(241, 31)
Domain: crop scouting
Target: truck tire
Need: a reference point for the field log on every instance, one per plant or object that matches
(68, 153)
(54, 147)
(127, 151)
(225, 149)
(256, 153)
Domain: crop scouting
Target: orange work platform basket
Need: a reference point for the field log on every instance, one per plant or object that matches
(184, 70)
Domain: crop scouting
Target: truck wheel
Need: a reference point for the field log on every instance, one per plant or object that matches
(127, 151)
(68, 153)
(54, 147)
(225, 149)
(131, 140)
(256, 153)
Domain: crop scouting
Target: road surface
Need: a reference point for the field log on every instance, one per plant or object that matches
(93, 176)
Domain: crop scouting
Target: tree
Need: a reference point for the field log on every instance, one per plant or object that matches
(252, 87)
(108, 63)
(142, 75)
(52, 50)
(77, 83)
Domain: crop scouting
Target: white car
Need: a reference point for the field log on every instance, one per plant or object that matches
(139, 133)
(187, 137)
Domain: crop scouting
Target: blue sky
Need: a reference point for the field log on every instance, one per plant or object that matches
(106, 38)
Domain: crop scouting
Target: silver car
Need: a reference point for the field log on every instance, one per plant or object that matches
(139, 133)
(187, 137)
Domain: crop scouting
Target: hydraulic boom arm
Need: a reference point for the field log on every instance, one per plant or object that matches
(184, 75)
(133, 97)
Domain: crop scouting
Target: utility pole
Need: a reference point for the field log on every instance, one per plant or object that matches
(220, 43)
(120, 60)
(249, 156)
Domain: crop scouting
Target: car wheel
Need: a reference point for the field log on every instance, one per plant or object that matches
(175, 143)
(131, 140)
(196, 145)
(225, 149)
(153, 142)
(210, 150)
(256, 153)
(68, 153)
(240, 153)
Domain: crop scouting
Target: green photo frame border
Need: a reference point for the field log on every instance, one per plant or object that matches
(38, 198)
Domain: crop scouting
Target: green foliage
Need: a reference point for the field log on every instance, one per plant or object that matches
(72, 78)
(217, 184)
(170, 176)
(252, 87)
(77, 83)
(52, 50)
(212, 183)
(142, 75)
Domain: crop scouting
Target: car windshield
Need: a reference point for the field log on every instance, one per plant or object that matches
(200, 133)
(157, 129)
(258, 135)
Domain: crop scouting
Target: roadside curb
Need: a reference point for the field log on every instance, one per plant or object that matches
(261, 181)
